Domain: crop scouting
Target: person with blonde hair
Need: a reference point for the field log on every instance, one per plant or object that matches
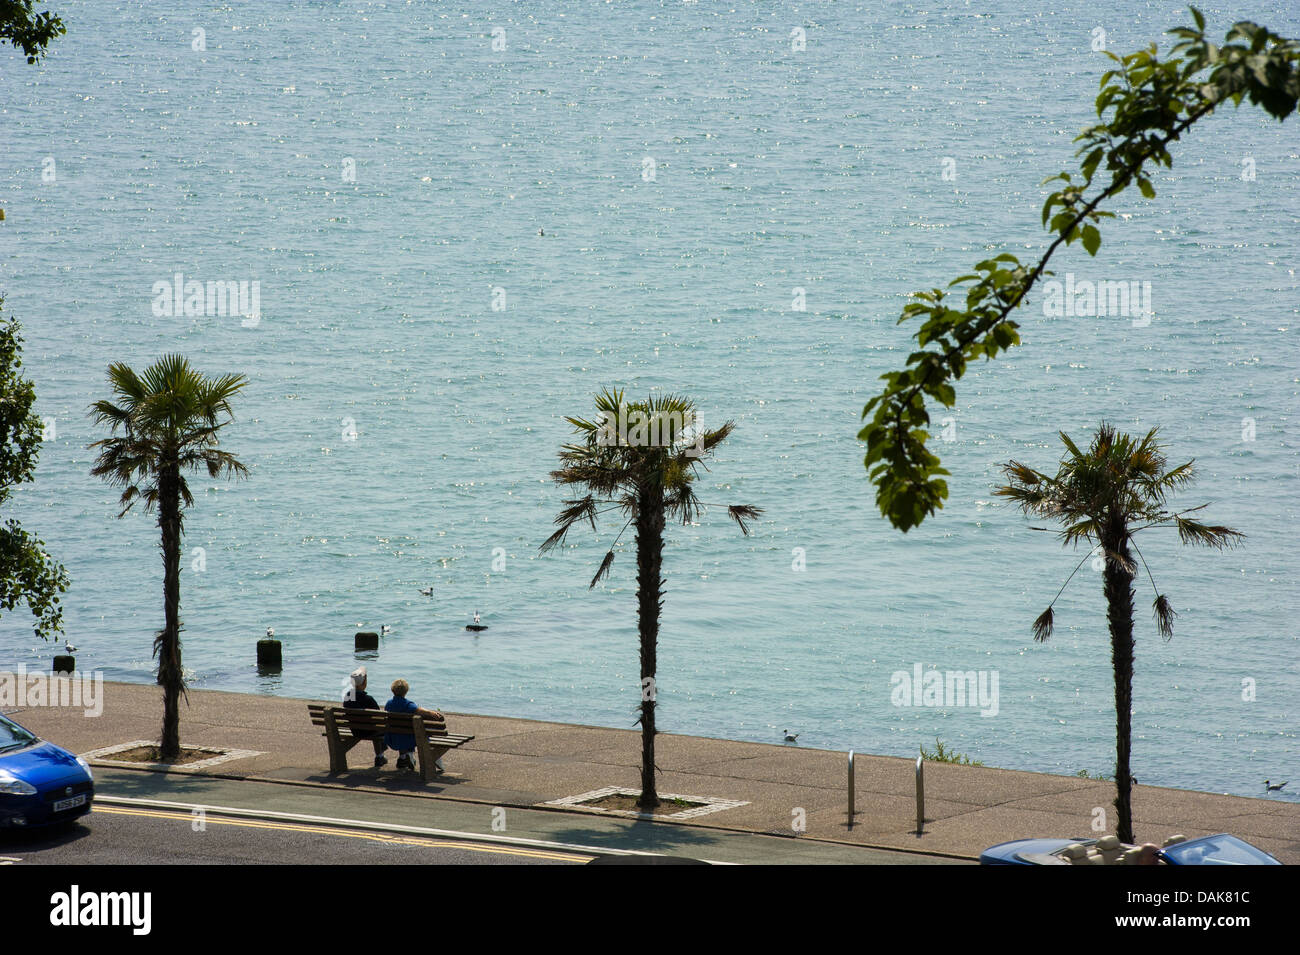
(404, 743)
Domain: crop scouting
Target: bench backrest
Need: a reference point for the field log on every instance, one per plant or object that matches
(373, 721)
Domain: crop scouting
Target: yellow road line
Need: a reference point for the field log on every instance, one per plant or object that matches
(389, 839)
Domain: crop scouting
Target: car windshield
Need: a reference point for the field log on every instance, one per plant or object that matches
(1218, 850)
(13, 736)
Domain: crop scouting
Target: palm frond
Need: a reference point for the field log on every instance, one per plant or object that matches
(1180, 476)
(744, 512)
(603, 570)
(682, 503)
(166, 418)
(711, 439)
(1084, 530)
(1074, 448)
(577, 511)
(654, 461)
(1043, 626)
(1164, 615)
(1207, 535)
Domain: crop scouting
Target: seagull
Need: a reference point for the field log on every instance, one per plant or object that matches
(270, 632)
(69, 648)
(476, 625)
(790, 737)
(427, 591)
(1274, 789)
(540, 232)
(385, 629)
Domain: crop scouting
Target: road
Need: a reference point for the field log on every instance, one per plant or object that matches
(167, 818)
(118, 835)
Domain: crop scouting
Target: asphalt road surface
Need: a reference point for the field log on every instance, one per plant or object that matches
(118, 835)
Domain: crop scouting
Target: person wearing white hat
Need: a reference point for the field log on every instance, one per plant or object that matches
(355, 697)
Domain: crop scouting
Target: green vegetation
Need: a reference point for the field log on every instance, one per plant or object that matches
(641, 460)
(28, 30)
(1145, 106)
(164, 423)
(1104, 497)
(27, 574)
(941, 754)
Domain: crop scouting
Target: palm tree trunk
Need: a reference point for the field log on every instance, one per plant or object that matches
(1119, 612)
(649, 579)
(168, 645)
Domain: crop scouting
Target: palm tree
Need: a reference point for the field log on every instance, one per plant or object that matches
(1104, 497)
(641, 460)
(164, 423)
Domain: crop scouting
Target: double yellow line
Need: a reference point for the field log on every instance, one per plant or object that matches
(212, 818)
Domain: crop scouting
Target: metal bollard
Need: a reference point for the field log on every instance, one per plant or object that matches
(920, 796)
(851, 789)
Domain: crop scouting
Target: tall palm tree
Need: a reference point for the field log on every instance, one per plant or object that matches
(164, 423)
(1104, 497)
(641, 460)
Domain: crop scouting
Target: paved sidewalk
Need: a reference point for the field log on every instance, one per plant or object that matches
(586, 832)
(527, 764)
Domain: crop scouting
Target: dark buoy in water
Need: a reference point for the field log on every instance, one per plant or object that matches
(475, 627)
(366, 640)
(64, 663)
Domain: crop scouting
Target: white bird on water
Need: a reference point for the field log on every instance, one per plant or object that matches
(427, 591)
(1274, 789)
(790, 737)
(385, 629)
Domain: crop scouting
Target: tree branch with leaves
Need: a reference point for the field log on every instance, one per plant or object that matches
(28, 574)
(1145, 105)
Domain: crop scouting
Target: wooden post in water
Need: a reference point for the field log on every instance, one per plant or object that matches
(268, 651)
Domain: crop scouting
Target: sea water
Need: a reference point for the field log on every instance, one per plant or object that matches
(463, 221)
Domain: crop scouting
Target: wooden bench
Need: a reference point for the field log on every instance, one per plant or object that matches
(345, 728)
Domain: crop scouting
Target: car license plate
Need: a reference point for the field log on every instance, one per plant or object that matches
(72, 803)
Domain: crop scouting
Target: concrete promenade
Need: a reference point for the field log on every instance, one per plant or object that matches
(768, 788)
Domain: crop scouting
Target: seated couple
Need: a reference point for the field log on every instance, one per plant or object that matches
(356, 698)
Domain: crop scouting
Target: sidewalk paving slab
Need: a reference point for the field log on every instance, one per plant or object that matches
(528, 763)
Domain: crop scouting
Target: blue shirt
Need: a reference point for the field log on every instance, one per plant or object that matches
(402, 742)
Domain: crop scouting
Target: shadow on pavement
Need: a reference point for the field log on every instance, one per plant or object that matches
(60, 834)
(637, 834)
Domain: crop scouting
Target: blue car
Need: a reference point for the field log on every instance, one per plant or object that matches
(1220, 849)
(40, 783)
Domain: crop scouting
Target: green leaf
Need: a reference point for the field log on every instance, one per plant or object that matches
(1090, 164)
(1091, 239)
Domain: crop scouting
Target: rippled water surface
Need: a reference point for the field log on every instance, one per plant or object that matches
(774, 170)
